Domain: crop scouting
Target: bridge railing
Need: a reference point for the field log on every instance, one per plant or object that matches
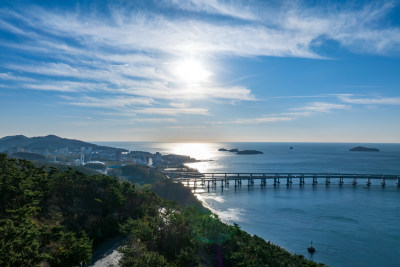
(244, 175)
(237, 177)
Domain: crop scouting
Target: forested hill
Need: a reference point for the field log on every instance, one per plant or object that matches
(57, 217)
(50, 142)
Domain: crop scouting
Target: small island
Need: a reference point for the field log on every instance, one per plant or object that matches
(241, 152)
(249, 152)
(229, 150)
(361, 148)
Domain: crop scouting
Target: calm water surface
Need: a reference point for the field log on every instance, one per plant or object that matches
(349, 226)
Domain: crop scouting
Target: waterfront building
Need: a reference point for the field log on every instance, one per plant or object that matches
(157, 159)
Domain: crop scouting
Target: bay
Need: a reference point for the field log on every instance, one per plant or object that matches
(349, 225)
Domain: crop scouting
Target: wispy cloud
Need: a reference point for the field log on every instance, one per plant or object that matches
(298, 114)
(173, 111)
(301, 96)
(12, 77)
(155, 120)
(308, 110)
(320, 107)
(118, 102)
(127, 55)
(237, 10)
(262, 120)
(369, 100)
(188, 127)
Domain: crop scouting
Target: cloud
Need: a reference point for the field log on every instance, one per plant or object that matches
(128, 53)
(320, 107)
(301, 96)
(316, 108)
(118, 102)
(11, 77)
(298, 114)
(155, 120)
(236, 10)
(358, 28)
(187, 127)
(173, 111)
(306, 111)
(263, 120)
(370, 101)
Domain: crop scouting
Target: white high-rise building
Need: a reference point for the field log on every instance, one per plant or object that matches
(82, 161)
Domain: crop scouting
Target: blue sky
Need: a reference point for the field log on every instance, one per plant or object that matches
(211, 70)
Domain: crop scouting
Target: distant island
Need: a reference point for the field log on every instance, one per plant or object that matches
(229, 150)
(241, 152)
(361, 148)
(249, 152)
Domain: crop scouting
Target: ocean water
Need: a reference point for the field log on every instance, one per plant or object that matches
(349, 225)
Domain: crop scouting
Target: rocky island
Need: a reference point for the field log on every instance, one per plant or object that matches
(361, 148)
(241, 152)
(229, 150)
(249, 152)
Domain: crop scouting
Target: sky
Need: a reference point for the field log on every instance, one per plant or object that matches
(201, 70)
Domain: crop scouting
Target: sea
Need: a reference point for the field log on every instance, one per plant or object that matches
(348, 225)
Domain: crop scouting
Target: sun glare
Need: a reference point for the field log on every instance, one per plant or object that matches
(195, 150)
(191, 71)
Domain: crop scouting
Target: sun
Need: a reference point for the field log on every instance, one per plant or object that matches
(191, 71)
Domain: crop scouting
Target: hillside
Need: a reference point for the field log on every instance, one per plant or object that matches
(50, 142)
(54, 217)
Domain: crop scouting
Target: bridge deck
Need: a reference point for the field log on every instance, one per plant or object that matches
(237, 177)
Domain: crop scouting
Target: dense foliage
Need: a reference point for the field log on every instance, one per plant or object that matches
(177, 192)
(136, 173)
(57, 217)
(189, 237)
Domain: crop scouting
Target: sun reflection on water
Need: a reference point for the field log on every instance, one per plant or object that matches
(200, 151)
(206, 152)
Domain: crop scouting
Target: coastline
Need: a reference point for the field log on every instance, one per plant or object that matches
(329, 157)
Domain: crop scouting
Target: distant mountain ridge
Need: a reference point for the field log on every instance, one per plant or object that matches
(51, 142)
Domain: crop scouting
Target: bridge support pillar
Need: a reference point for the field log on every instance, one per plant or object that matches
(289, 180)
(341, 180)
(314, 180)
(263, 181)
(328, 180)
(383, 182)
(276, 180)
(354, 180)
(368, 181)
(301, 180)
(398, 181)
